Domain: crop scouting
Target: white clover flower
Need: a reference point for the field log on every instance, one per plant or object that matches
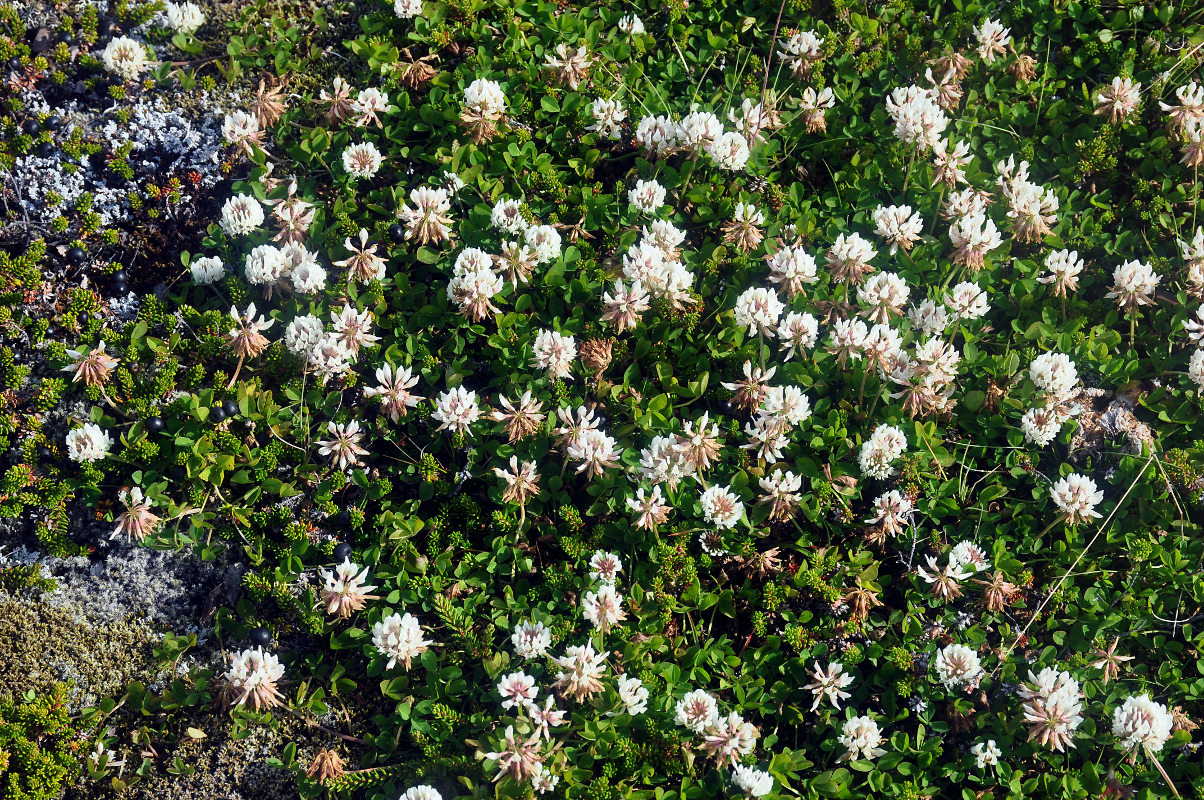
(884, 296)
(554, 352)
(973, 236)
(544, 241)
(608, 118)
(603, 608)
(507, 216)
(631, 24)
(184, 17)
(456, 410)
(861, 738)
(1042, 425)
(1118, 100)
(517, 689)
(542, 779)
(207, 270)
(241, 215)
(948, 164)
(1139, 722)
(958, 667)
(308, 276)
(721, 507)
(1054, 374)
(367, 104)
(89, 443)
(968, 554)
(407, 9)
(968, 301)
(730, 739)
(241, 129)
(421, 792)
(899, 226)
(993, 40)
(929, 318)
(986, 753)
(485, 97)
(759, 310)
(605, 567)
(849, 258)
(343, 445)
(919, 119)
(753, 782)
(1062, 272)
(531, 639)
(697, 711)
(829, 682)
(1076, 497)
(698, 128)
(801, 51)
(124, 57)
(1053, 708)
(253, 676)
(303, 334)
(878, 452)
(1195, 368)
(798, 332)
(647, 196)
(1133, 285)
(266, 265)
(634, 695)
(345, 590)
(729, 151)
(400, 638)
(791, 268)
(891, 511)
(362, 160)
(581, 671)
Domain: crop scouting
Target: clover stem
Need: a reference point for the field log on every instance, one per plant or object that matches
(234, 377)
(940, 198)
(907, 178)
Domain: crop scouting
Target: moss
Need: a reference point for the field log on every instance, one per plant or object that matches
(41, 645)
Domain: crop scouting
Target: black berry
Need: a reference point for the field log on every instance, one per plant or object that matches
(218, 415)
(260, 636)
(45, 150)
(14, 64)
(230, 407)
(77, 255)
(67, 39)
(53, 123)
(342, 552)
(31, 127)
(154, 424)
(397, 233)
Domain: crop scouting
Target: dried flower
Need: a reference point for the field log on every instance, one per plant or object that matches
(137, 521)
(92, 367)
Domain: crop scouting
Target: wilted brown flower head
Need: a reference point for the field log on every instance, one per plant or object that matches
(417, 72)
(268, 105)
(997, 591)
(92, 367)
(596, 355)
(245, 337)
(1024, 68)
(326, 766)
